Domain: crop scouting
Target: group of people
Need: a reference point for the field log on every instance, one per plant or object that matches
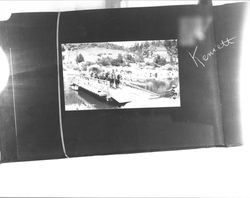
(113, 78)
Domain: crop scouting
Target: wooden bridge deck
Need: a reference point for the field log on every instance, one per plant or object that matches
(122, 94)
(125, 94)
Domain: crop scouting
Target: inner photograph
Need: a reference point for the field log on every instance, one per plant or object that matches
(124, 74)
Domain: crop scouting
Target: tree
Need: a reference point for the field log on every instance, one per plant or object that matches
(160, 60)
(79, 58)
(139, 58)
(130, 58)
(63, 48)
(118, 61)
(84, 67)
(105, 61)
(171, 46)
(120, 58)
(146, 45)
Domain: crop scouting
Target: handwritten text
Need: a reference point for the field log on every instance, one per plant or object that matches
(204, 58)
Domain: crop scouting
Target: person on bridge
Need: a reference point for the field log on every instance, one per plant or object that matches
(112, 79)
(118, 80)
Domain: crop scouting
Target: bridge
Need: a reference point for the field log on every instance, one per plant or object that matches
(125, 93)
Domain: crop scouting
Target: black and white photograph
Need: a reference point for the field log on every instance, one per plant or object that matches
(124, 98)
(124, 74)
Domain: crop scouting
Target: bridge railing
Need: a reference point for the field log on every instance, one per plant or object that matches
(96, 84)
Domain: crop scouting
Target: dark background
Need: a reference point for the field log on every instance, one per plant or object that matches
(32, 39)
